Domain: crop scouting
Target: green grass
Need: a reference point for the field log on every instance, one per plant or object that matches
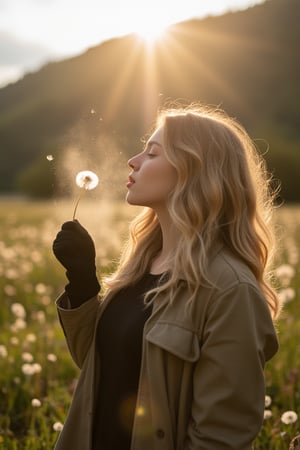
(37, 375)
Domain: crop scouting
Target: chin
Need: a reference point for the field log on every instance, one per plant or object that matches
(134, 202)
(130, 201)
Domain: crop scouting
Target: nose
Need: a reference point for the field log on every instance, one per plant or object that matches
(133, 162)
(129, 163)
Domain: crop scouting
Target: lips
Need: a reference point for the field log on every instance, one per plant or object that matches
(131, 181)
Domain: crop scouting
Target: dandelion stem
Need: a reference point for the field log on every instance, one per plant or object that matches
(77, 202)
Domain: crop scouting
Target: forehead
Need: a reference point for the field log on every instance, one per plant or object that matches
(156, 137)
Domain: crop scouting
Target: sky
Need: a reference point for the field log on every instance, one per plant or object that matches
(34, 32)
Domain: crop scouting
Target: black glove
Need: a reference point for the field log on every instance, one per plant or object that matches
(75, 250)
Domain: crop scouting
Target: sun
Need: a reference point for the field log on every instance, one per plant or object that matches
(151, 33)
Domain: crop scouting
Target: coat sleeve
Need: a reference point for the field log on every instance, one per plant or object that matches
(228, 382)
(78, 325)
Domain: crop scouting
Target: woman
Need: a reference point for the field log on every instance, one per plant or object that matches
(172, 358)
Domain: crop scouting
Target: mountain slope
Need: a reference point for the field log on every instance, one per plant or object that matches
(247, 62)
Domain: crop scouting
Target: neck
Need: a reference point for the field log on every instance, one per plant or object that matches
(161, 262)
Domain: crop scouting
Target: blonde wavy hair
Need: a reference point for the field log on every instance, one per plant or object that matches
(222, 194)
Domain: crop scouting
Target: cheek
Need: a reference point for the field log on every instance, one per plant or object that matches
(168, 179)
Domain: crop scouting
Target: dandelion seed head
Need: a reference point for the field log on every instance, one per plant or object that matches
(51, 357)
(87, 180)
(57, 426)
(40, 316)
(3, 351)
(31, 369)
(286, 295)
(14, 340)
(27, 357)
(36, 403)
(27, 369)
(285, 273)
(10, 290)
(31, 337)
(37, 368)
(18, 310)
(11, 274)
(40, 288)
(289, 417)
(46, 300)
(267, 414)
(268, 401)
(19, 324)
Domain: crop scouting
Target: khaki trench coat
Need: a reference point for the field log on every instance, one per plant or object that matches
(202, 373)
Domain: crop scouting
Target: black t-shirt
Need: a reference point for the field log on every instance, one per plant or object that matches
(119, 346)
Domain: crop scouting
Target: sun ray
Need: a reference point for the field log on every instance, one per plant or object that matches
(175, 50)
(121, 84)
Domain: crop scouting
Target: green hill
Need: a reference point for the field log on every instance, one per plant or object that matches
(248, 62)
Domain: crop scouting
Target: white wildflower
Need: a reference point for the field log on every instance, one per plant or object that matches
(286, 295)
(14, 340)
(36, 403)
(268, 401)
(37, 368)
(3, 351)
(51, 357)
(57, 426)
(285, 273)
(18, 310)
(31, 369)
(41, 288)
(40, 316)
(45, 300)
(27, 369)
(19, 324)
(27, 357)
(31, 337)
(10, 290)
(289, 417)
(267, 414)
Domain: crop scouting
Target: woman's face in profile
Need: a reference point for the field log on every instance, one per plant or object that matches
(152, 177)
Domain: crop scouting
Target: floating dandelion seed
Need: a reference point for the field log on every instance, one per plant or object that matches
(50, 157)
(86, 180)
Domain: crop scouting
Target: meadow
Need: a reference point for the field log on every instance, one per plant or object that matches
(37, 375)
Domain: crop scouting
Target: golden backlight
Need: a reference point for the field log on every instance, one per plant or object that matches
(152, 31)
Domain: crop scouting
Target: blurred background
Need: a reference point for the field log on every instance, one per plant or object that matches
(81, 83)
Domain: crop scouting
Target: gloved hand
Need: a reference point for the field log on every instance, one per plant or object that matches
(75, 250)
